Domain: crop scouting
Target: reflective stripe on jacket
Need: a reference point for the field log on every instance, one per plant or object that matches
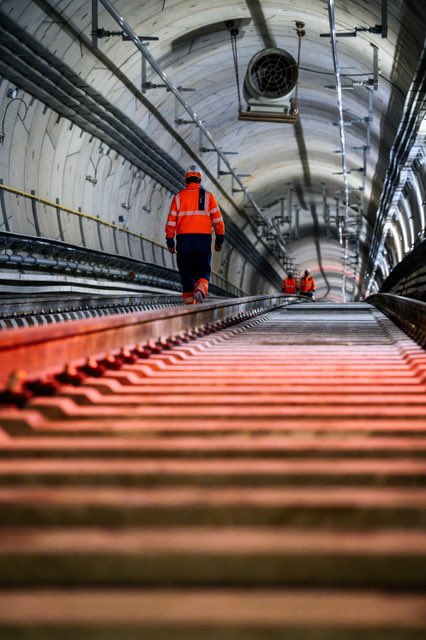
(189, 215)
(289, 285)
(307, 284)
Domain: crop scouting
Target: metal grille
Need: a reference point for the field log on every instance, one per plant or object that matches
(273, 74)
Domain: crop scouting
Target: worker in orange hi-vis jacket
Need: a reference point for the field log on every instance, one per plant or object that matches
(307, 284)
(289, 284)
(194, 213)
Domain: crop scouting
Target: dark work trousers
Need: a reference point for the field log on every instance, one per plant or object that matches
(192, 266)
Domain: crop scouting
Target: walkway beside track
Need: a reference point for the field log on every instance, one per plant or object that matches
(264, 482)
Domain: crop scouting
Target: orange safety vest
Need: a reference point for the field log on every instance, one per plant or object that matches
(289, 285)
(194, 210)
(307, 284)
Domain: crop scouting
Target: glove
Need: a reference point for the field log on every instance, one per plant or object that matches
(171, 245)
(219, 243)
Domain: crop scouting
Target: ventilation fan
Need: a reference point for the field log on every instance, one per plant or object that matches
(270, 80)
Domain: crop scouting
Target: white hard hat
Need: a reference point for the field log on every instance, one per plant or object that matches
(193, 171)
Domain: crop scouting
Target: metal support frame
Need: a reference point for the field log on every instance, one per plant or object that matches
(290, 201)
(59, 220)
(99, 32)
(220, 172)
(80, 224)
(296, 221)
(285, 218)
(272, 234)
(35, 216)
(178, 120)
(233, 188)
(141, 241)
(101, 244)
(3, 209)
(381, 29)
(175, 90)
(384, 8)
(371, 85)
(239, 175)
(129, 246)
(95, 25)
(114, 235)
(145, 84)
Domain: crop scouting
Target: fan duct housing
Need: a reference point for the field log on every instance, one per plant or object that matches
(270, 80)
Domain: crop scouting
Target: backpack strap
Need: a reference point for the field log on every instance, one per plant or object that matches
(202, 200)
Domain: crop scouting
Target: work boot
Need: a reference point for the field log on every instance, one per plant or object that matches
(201, 287)
(188, 298)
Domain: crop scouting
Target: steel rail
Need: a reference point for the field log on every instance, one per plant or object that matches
(268, 478)
(41, 350)
(407, 313)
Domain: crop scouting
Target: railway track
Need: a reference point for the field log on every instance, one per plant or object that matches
(263, 477)
(16, 311)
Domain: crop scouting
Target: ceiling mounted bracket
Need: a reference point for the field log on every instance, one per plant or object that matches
(98, 32)
(238, 175)
(380, 29)
(178, 119)
(120, 20)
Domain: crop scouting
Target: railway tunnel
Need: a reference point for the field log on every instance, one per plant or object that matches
(254, 466)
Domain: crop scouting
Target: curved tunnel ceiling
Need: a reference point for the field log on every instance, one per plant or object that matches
(291, 171)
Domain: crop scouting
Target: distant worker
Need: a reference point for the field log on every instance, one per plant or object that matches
(193, 213)
(307, 284)
(290, 284)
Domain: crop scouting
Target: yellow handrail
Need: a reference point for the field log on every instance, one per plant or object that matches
(75, 212)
